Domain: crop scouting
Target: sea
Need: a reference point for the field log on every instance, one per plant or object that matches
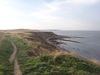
(89, 46)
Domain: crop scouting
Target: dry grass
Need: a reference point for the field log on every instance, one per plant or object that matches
(94, 61)
(2, 37)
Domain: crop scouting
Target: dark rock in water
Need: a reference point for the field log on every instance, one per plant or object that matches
(78, 50)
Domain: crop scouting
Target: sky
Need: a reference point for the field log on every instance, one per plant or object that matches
(50, 14)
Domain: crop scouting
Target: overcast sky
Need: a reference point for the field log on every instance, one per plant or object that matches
(50, 14)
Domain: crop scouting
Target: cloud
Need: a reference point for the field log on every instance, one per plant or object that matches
(46, 15)
(43, 17)
(84, 1)
(57, 14)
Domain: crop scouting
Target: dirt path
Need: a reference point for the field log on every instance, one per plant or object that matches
(12, 58)
(17, 70)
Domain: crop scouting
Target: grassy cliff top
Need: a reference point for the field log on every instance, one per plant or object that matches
(38, 57)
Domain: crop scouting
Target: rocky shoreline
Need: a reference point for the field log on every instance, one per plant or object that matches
(54, 41)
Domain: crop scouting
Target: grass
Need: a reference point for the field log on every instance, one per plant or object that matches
(6, 49)
(52, 64)
(60, 65)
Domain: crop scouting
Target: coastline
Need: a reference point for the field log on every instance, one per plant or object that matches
(52, 38)
(54, 41)
(40, 52)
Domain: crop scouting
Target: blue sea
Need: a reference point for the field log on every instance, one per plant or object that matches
(89, 46)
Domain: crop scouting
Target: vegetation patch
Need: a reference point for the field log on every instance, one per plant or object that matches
(50, 64)
(6, 50)
(60, 65)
